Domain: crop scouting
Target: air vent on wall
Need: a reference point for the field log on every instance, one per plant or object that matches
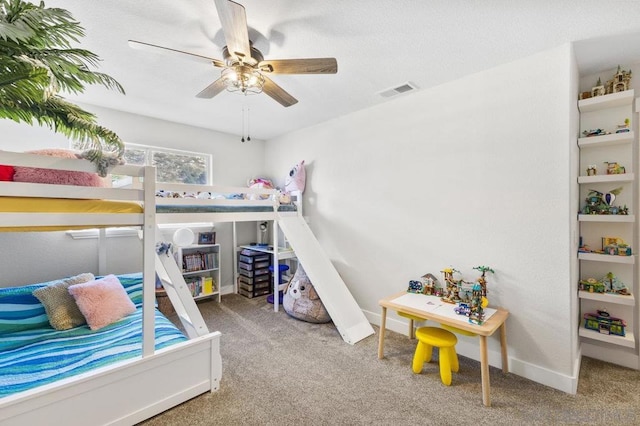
(403, 88)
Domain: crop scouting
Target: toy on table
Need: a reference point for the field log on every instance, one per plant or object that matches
(428, 285)
(452, 286)
(482, 280)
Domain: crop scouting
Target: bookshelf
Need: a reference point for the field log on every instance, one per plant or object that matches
(200, 267)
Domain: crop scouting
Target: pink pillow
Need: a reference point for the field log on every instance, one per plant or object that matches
(103, 301)
(6, 173)
(58, 177)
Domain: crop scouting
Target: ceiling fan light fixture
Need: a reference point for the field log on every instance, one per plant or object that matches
(243, 79)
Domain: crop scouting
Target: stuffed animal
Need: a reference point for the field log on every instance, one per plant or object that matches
(296, 179)
(259, 183)
(301, 300)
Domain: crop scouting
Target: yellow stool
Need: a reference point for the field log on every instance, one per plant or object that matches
(428, 337)
(411, 318)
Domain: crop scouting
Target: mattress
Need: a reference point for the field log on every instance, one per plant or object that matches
(62, 205)
(40, 356)
(204, 208)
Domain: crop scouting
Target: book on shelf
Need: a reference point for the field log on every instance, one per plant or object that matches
(199, 261)
(200, 286)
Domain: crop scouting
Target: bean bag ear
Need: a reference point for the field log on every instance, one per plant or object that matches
(301, 300)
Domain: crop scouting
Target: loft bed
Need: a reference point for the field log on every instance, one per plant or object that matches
(204, 203)
(135, 387)
(200, 203)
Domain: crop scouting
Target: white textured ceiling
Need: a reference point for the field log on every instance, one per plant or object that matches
(378, 45)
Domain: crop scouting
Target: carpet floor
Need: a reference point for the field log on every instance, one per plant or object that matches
(281, 371)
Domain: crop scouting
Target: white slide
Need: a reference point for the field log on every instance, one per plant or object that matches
(342, 307)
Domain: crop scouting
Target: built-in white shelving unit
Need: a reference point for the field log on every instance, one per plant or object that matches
(606, 112)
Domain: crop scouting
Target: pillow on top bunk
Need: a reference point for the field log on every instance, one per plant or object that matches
(6, 172)
(102, 301)
(61, 307)
(58, 177)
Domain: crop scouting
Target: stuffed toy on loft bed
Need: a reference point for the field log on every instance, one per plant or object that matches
(296, 179)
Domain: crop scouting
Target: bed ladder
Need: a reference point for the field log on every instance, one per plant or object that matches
(345, 313)
(179, 294)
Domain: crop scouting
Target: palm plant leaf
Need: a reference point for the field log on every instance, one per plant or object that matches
(37, 61)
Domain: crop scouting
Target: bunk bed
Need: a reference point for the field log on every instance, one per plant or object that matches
(135, 387)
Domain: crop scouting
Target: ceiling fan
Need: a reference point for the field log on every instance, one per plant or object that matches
(244, 69)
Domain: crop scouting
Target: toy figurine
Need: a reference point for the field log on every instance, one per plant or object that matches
(592, 170)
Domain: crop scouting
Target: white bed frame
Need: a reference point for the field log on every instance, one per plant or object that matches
(126, 392)
(132, 391)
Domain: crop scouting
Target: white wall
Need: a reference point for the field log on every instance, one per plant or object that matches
(43, 256)
(472, 172)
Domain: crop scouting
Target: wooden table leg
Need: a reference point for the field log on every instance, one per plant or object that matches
(383, 326)
(484, 369)
(503, 348)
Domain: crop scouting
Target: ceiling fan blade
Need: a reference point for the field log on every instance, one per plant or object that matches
(140, 45)
(234, 26)
(300, 66)
(278, 93)
(212, 90)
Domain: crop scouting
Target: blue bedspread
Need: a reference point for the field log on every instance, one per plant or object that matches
(35, 357)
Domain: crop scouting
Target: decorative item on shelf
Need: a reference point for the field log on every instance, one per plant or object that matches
(613, 168)
(584, 95)
(602, 203)
(612, 284)
(620, 82)
(591, 285)
(431, 285)
(592, 170)
(624, 128)
(615, 246)
(206, 237)
(598, 89)
(604, 323)
(594, 132)
(607, 284)
(183, 237)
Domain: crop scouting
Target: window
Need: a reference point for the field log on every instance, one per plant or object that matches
(172, 165)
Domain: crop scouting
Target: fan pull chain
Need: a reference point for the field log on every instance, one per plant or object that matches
(245, 127)
(242, 140)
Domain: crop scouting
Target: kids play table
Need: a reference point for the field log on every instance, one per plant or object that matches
(432, 308)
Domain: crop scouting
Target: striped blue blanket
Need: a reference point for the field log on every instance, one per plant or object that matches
(37, 356)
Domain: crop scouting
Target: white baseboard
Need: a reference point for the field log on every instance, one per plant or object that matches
(469, 347)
